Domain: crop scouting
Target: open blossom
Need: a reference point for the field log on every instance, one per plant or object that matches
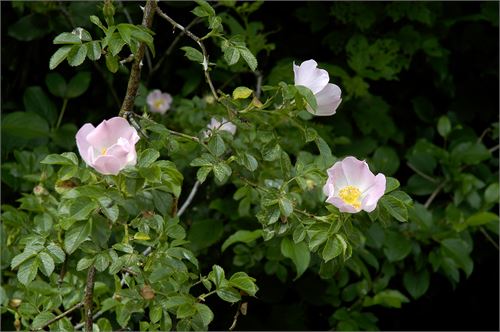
(328, 95)
(109, 147)
(352, 187)
(220, 125)
(159, 102)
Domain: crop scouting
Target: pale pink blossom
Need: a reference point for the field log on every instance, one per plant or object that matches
(352, 187)
(159, 102)
(109, 147)
(328, 95)
(224, 125)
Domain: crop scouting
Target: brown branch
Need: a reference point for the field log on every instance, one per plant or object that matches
(200, 44)
(55, 319)
(135, 72)
(434, 194)
(235, 319)
(422, 174)
(488, 237)
(88, 300)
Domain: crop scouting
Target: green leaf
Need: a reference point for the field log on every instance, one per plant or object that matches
(27, 271)
(248, 161)
(82, 208)
(308, 96)
(481, 218)
(24, 125)
(416, 283)
(242, 281)
(286, 206)
(459, 250)
(85, 263)
(30, 27)
(205, 6)
(94, 50)
(391, 184)
(444, 126)
(396, 246)
(78, 84)
(388, 298)
(41, 319)
(56, 84)
(229, 294)
(470, 153)
(94, 19)
(193, 54)
(241, 236)
(395, 207)
(249, 58)
(206, 315)
(67, 38)
(57, 159)
(333, 248)
(57, 253)
(148, 157)
(386, 160)
(155, 313)
(298, 253)
(231, 55)
(22, 257)
(59, 56)
(77, 55)
(36, 101)
(47, 266)
(76, 235)
(216, 145)
(491, 193)
(112, 63)
(242, 92)
(222, 171)
(217, 275)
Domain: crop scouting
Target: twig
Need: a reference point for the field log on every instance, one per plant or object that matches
(493, 149)
(434, 194)
(258, 85)
(419, 172)
(172, 45)
(96, 315)
(89, 300)
(55, 319)
(189, 199)
(130, 58)
(200, 44)
(135, 72)
(235, 319)
(489, 238)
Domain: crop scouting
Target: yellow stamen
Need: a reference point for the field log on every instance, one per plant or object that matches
(351, 195)
(158, 103)
(103, 151)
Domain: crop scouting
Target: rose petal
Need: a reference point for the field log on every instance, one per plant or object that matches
(341, 205)
(374, 193)
(108, 165)
(337, 177)
(308, 75)
(152, 96)
(83, 144)
(357, 173)
(328, 100)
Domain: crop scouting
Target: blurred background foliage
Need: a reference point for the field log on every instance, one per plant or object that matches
(420, 102)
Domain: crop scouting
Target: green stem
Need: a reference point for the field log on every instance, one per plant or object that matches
(61, 113)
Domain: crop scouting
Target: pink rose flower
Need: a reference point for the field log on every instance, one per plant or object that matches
(159, 102)
(109, 147)
(328, 95)
(222, 125)
(352, 187)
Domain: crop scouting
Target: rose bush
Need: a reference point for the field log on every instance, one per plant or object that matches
(220, 216)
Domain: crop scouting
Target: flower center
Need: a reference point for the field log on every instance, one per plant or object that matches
(103, 151)
(158, 103)
(350, 195)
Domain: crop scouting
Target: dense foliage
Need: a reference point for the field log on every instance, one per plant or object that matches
(212, 224)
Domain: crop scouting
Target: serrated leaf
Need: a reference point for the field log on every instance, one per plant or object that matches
(59, 56)
(333, 248)
(416, 283)
(206, 314)
(249, 58)
(47, 266)
(241, 236)
(76, 235)
(84, 263)
(78, 84)
(94, 50)
(298, 253)
(231, 55)
(27, 271)
(193, 54)
(76, 55)
(112, 63)
(395, 207)
(242, 281)
(67, 38)
(41, 319)
(228, 294)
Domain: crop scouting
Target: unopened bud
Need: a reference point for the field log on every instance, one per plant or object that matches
(14, 303)
(39, 190)
(108, 10)
(209, 99)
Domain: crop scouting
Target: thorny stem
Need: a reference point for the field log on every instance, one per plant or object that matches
(135, 72)
(189, 199)
(200, 44)
(64, 314)
(88, 301)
